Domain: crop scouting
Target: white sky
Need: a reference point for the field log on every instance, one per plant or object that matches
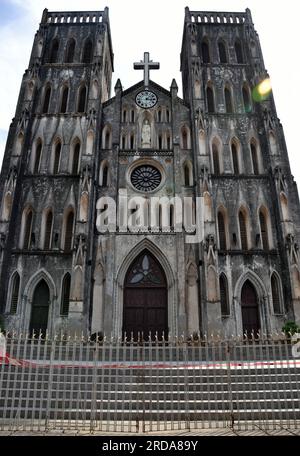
(156, 26)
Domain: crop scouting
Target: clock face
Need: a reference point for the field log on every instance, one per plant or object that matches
(146, 99)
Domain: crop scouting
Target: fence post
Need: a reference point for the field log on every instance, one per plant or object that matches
(52, 353)
(230, 400)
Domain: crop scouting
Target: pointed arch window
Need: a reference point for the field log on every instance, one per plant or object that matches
(205, 52)
(105, 175)
(243, 231)
(186, 175)
(76, 155)
(254, 158)
(48, 231)
(228, 100)
(64, 100)
(81, 99)
(27, 229)
(160, 142)
(131, 141)
(222, 231)
(46, 103)
(54, 51)
(225, 311)
(56, 158)
(124, 115)
(238, 52)
(222, 52)
(246, 99)
(235, 159)
(263, 230)
(159, 115)
(70, 51)
(15, 288)
(276, 299)
(87, 52)
(210, 99)
(132, 115)
(69, 232)
(37, 158)
(65, 295)
(216, 159)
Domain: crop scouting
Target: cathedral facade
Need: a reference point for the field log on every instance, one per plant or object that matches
(94, 189)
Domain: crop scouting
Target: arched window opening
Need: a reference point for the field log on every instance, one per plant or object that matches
(228, 101)
(225, 311)
(27, 230)
(168, 142)
(69, 232)
(46, 103)
(222, 52)
(246, 100)
(276, 294)
(238, 52)
(65, 295)
(216, 159)
(105, 176)
(210, 99)
(64, 100)
(123, 142)
(15, 287)
(222, 231)
(168, 115)
(205, 52)
(54, 51)
(48, 231)
(263, 230)
(76, 155)
(131, 141)
(70, 51)
(56, 158)
(87, 52)
(243, 231)
(132, 115)
(37, 158)
(254, 158)
(159, 115)
(235, 160)
(124, 115)
(81, 99)
(186, 175)
(160, 142)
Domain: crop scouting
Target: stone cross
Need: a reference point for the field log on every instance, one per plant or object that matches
(146, 65)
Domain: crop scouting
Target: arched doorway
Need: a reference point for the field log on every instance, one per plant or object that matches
(145, 298)
(250, 312)
(40, 308)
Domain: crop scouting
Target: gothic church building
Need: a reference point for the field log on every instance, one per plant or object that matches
(71, 146)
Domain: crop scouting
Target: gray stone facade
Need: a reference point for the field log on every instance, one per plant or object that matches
(70, 145)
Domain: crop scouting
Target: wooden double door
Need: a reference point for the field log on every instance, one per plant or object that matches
(40, 309)
(145, 298)
(250, 311)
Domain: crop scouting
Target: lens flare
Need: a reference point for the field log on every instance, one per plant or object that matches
(262, 91)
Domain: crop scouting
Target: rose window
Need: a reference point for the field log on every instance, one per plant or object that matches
(145, 178)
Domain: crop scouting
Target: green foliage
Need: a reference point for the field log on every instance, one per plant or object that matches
(290, 328)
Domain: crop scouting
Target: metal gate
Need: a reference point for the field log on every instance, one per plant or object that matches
(115, 385)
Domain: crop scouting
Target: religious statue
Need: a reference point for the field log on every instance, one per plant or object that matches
(146, 134)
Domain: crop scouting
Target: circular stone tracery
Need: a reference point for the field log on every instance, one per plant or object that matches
(145, 178)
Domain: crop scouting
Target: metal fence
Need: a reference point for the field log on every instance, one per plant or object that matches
(117, 385)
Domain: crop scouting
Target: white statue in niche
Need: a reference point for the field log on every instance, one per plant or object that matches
(146, 134)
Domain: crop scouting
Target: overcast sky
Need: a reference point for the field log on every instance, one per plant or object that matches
(156, 26)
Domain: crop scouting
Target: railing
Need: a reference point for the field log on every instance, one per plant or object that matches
(207, 17)
(121, 385)
(74, 17)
